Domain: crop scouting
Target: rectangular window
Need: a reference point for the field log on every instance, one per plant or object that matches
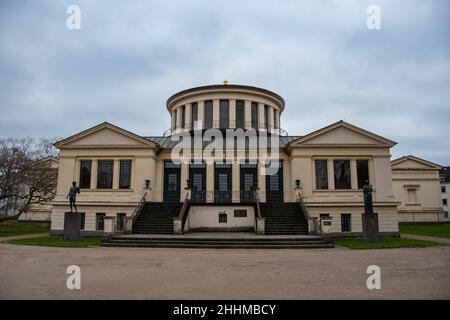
(275, 112)
(444, 202)
(443, 189)
(85, 174)
(446, 214)
(346, 222)
(362, 172)
(175, 119)
(240, 114)
(208, 114)
(321, 174)
(105, 174)
(342, 174)
(266, 117)
(254, 115)
(125, 174)
(224, 114)
(100, 221)
(194, 113)
(83, 219)
(183, 118)
(223, 217)
(240, 213)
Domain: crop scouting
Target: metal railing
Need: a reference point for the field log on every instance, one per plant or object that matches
(221, 197)
(312, 222)
(139, 207)
(257, 207)
(184, 210)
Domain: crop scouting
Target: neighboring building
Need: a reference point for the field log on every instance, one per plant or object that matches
(416, 186)
(326, 169)
(40, 212)
(444, 176)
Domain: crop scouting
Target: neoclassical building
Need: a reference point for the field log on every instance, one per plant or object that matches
(417, 188)
(131, 183)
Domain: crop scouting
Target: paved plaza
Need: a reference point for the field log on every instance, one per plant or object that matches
(134, 273)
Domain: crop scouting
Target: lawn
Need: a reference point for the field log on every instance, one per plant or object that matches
(15, 228)
(58, 242)
(386, 243)
(434, 230)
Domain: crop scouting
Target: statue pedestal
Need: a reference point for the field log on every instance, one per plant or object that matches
(370, 227)
(72, 225)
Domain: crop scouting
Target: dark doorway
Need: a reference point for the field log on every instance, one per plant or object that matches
(222, 183)
(274, 186)
(171, 182)
(249, 181)
(197, 179)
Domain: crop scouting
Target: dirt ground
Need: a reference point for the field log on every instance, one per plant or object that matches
(133, 273)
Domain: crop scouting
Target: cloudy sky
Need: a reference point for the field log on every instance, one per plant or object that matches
(130, 56)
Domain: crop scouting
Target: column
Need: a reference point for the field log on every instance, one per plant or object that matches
(216, 113)
(201, 114)
(261, 181)
(261, 124)
(353, 174)
(183, 177)
(210, 182)
(288, 183)
(188, 116)
(330, 169)
(248, 114)
(232, 115)
(158, 183)
(94, 170)
(173, 120)
(236, 186)
(178, 126)
(271, 118)
(116, 171)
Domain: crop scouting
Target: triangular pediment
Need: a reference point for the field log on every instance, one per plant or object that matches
(342, 134)
(105, 135)
(413, 163)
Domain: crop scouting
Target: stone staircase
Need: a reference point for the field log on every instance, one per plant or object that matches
(156, 218)
(232, 240)
(284, 218)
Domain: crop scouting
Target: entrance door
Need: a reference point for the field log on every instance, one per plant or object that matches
(171, 182)
(222, 183)
(197, 178)
(274, 186)
(249, 181)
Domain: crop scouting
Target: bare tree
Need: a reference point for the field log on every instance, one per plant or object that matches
(26, 175)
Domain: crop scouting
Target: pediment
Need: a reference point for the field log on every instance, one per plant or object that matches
(413, 163)
(342, 134)
(104, 135)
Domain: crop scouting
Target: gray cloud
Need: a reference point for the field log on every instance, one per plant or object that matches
(129, 58)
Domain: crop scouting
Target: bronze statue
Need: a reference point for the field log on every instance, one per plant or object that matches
(72, 195)
(368, 202)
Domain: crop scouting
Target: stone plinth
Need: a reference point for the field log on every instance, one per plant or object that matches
(72, 225)
(370, 227)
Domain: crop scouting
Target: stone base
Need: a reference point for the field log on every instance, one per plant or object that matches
(72, 225)
(370, 228)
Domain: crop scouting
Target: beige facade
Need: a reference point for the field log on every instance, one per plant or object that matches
(417, 188)
(346, 153)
